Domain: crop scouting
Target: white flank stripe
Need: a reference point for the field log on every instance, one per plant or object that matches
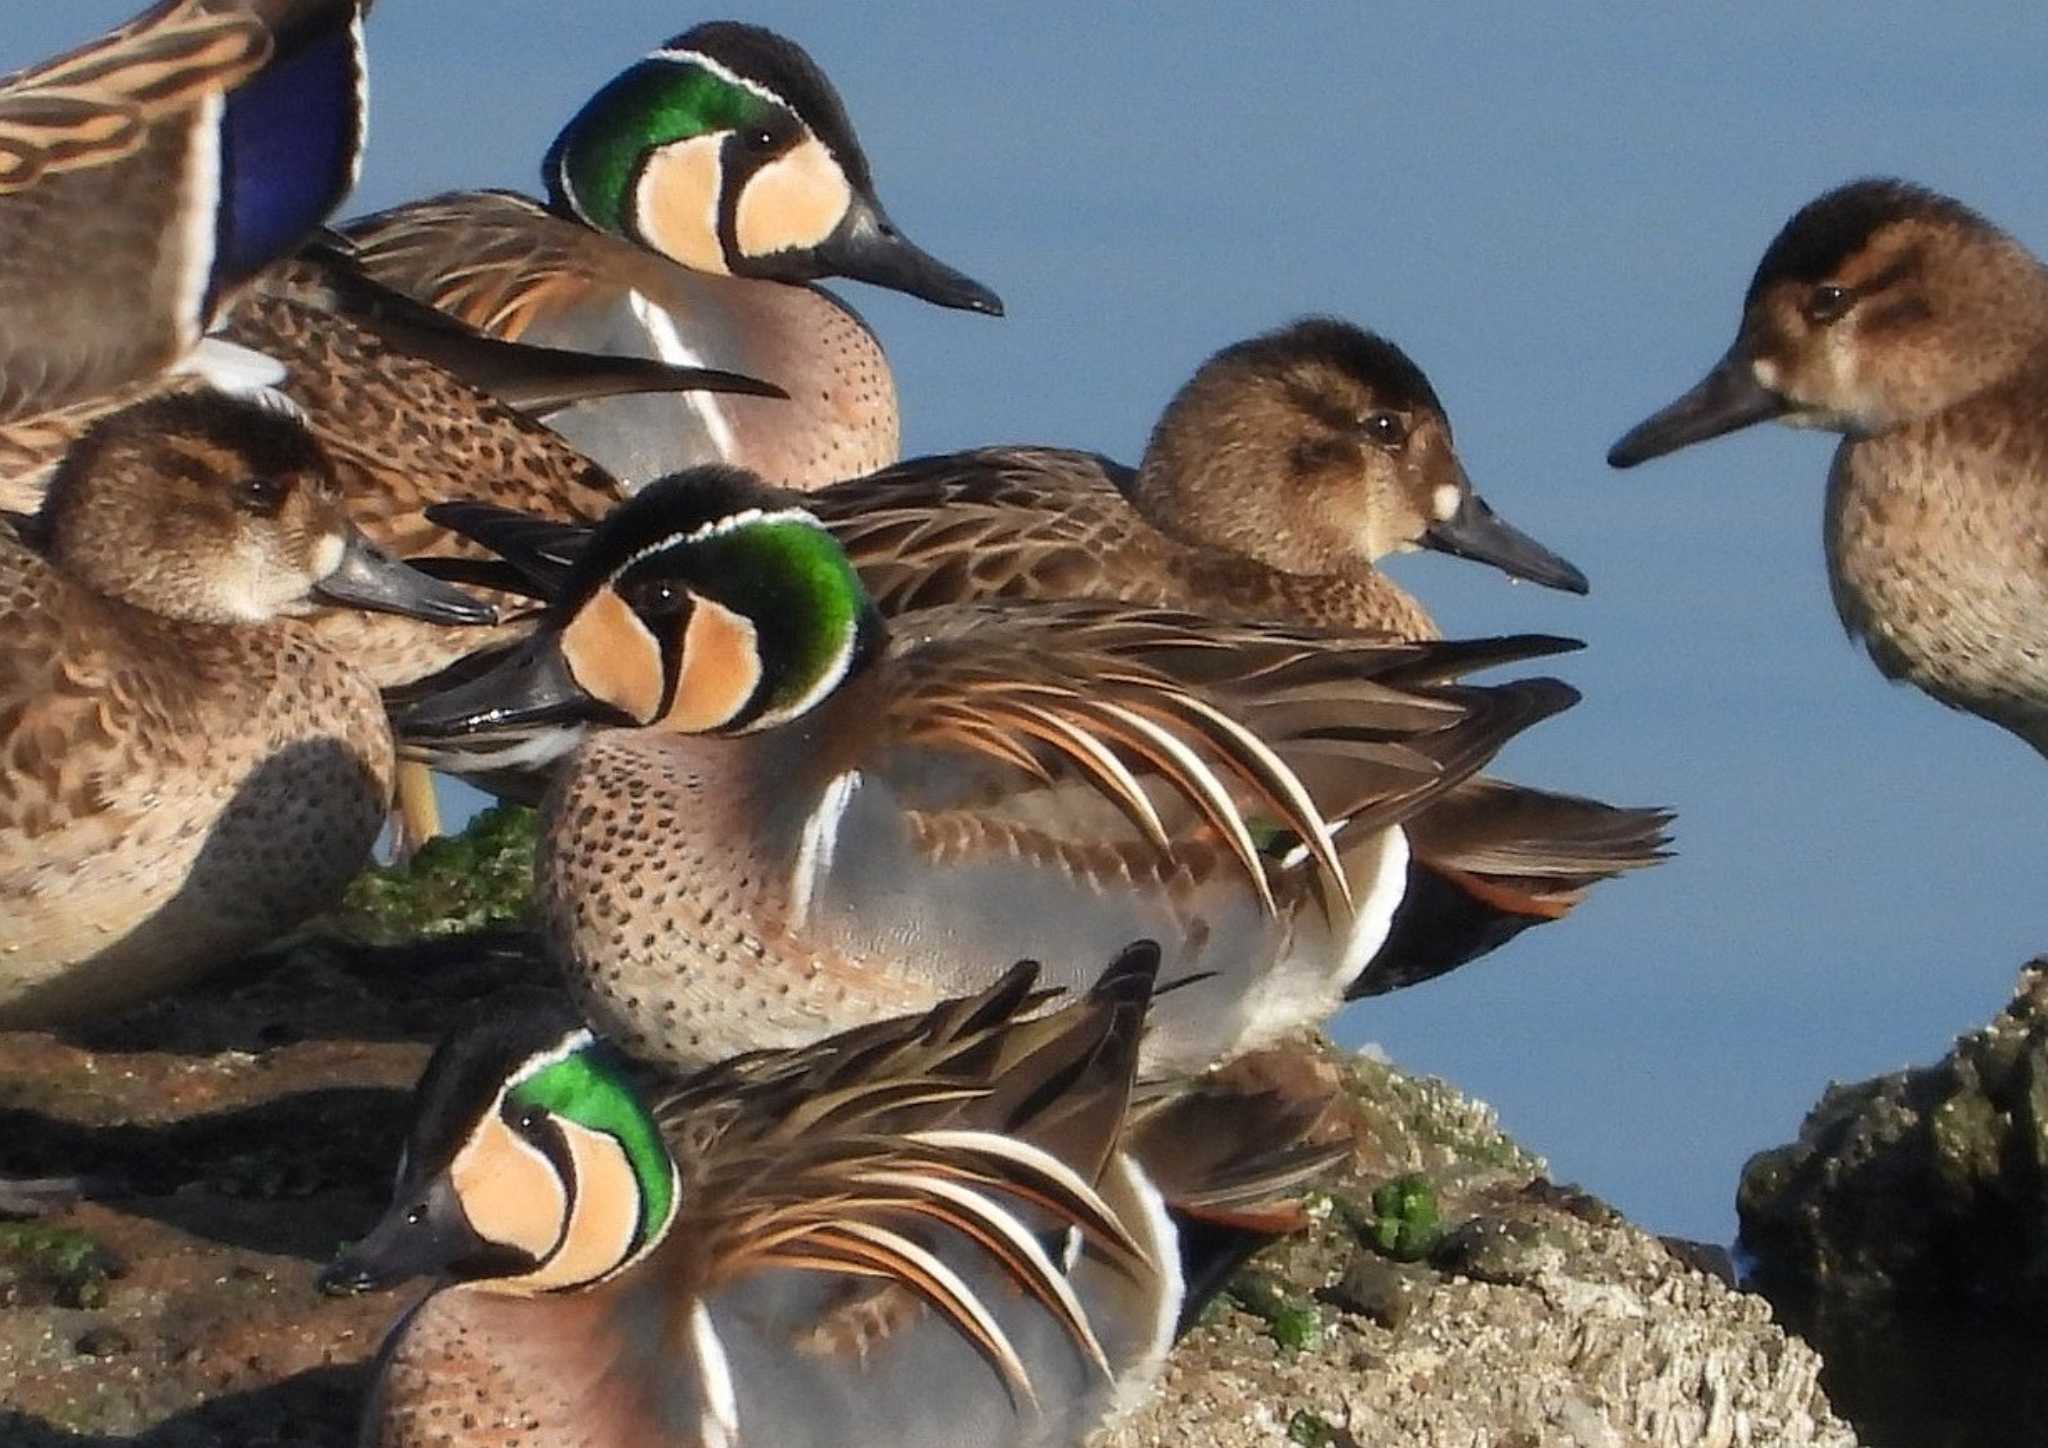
(721, 1425)
(820, 841)
(668, 345)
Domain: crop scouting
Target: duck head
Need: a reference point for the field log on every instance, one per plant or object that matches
(707, 603)
(1880, 302)
(728, 151)
(219, 509)
(533, 1164)
(1320, 447)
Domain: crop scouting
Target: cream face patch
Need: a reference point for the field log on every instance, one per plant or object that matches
(509, 1190)
(720, 672)
(792, 203)
(677, 203)
(613, 656)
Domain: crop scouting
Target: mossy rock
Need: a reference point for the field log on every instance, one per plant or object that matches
(477, 880)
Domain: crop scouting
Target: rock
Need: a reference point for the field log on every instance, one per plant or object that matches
(1586, 1333)
(1926, 1185)
(256, 1121)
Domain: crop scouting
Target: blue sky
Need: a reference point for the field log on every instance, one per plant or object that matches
(1555, 211)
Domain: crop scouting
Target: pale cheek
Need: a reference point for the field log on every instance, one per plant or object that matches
(677, 204)
(613, 657)
(1444, 501)
(793, 203)
(327, 556)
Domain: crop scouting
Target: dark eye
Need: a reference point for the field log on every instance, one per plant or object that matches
(758, 139)
(1827, 302)
(528, 1120)
(1384, 429)
(654, 596)
(262, 495)
(416, 1215)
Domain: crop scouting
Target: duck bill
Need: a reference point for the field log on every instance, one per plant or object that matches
(532, 687)
(420, 1235)
(368, 577)
(867, 247)
(1726, 400)
(1476, 532)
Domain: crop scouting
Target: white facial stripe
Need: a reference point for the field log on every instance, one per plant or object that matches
(1766, 373)
(670, 347)
(724, 73)
(569, 1045)
(828, 680)
(719, 526)
(327, 557)
(1445, 500)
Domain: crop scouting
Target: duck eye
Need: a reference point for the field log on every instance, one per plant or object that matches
(758, 139)
(1827, 302)
(415, 1215)
(262, 495)
(1385, 429)
(656, 595)
(529, 1119)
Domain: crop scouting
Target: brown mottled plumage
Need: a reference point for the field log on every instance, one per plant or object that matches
(185, 770)
(1286, 468)
(402, 431)
(1916, 328)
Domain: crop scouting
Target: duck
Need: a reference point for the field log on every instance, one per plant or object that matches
(1917, 329)
(935, 1229)
(1273, 483)
(1272, 486)
(186, 772)
(192, 145)
(691, 204)
(791, 815)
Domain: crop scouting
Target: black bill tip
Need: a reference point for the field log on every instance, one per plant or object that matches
(1476, 532)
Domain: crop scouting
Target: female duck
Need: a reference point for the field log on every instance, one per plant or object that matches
(808, 821)
(185, 772)
(690, 203)
(1911, 325)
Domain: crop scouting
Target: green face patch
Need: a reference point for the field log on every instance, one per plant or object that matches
(589, 1089)
(591, 167)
